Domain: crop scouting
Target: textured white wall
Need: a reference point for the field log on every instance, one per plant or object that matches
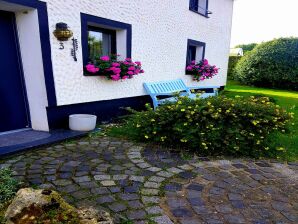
(160, 29)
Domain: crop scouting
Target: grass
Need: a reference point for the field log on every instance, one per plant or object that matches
(285, 99)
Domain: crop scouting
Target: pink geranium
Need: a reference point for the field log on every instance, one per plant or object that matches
(105, 58)
(114, 69)
(91, 68)
(202, 70)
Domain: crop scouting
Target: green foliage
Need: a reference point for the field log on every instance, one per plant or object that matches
(233, 60)
(213, 126)
(271, 64)
(247, 47)
(8, 185)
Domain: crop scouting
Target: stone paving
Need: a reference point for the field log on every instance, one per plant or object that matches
(146, 184)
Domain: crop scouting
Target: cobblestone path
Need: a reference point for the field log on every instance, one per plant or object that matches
(149, 185)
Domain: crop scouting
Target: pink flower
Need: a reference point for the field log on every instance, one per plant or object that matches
(105, 58)
(115, 64)
(193, 62)
(128, 59)
(131, 68)
(130, 73)
(205, 62)
(138, 63)
(189, 68)
(142, 71)
(115, 77)
(137, 71)
(91, 68)
(202, 78)
(116, 70)
(125, 77)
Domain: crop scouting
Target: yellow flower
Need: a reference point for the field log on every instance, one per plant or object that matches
(266, 148)
(146, 136)
(237, 96)
(208, 103)
(185, 124)
(280, 148)
(179, 102)
(138, 125)
(204, 144)
(182, 110)
(152, 120)
(192, 112)
(183, 140)
(255, 122)
(154, 132)
(250, 115)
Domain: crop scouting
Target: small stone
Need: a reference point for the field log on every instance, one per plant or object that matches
(129, 197)
(174, 170)
(137, 178)
(105, 199)
(62, 182)
(156, 179)
(136, 204)
(117, 207)
(146, 191)
(154, 169)
(120, 177)
(102, 177)
(182, 212)
(108, 183)
(150, 199)
(143, 165)
(162, 220)
(234, 219)
(195, 187)
(165, 174)
(186, 167)
(152, 185)
(82, 179)
(154, 210)
(136, 214)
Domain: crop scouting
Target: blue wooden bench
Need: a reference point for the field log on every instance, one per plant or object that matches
(168, 88)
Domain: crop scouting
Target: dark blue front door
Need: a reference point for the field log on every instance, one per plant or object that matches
(13, 104)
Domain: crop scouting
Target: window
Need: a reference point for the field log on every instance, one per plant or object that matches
(100, 42)
(199, 6)
(102, 36)
(195, 51)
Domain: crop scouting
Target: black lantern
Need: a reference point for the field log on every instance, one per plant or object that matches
(62, 32)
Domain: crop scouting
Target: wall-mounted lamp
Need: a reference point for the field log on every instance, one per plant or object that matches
(62, 32)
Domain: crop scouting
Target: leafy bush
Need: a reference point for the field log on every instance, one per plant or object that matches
(233, 60)
(213, 126)
(247, 47)
(8, 185)
(271, 64)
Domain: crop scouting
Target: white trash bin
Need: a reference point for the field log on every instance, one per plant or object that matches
(82, 122)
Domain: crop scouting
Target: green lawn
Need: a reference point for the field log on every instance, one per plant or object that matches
(287, 100)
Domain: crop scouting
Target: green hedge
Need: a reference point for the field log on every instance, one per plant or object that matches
(233, 60)
(272, 64)
(213, 126)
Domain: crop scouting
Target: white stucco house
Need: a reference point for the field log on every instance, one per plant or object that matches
(42, 82)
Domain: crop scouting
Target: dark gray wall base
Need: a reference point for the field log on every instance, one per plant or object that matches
(105, 110)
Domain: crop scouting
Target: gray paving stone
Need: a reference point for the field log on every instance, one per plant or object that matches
(148, 191)
(156, 179)
(137, 178)
(136, 214)
(151, 185)
(82, 179)
(154, 210)
(102, 177)
(165, 174)
(162, 220)
(108, 183)
(150, 199)
(117, 207)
